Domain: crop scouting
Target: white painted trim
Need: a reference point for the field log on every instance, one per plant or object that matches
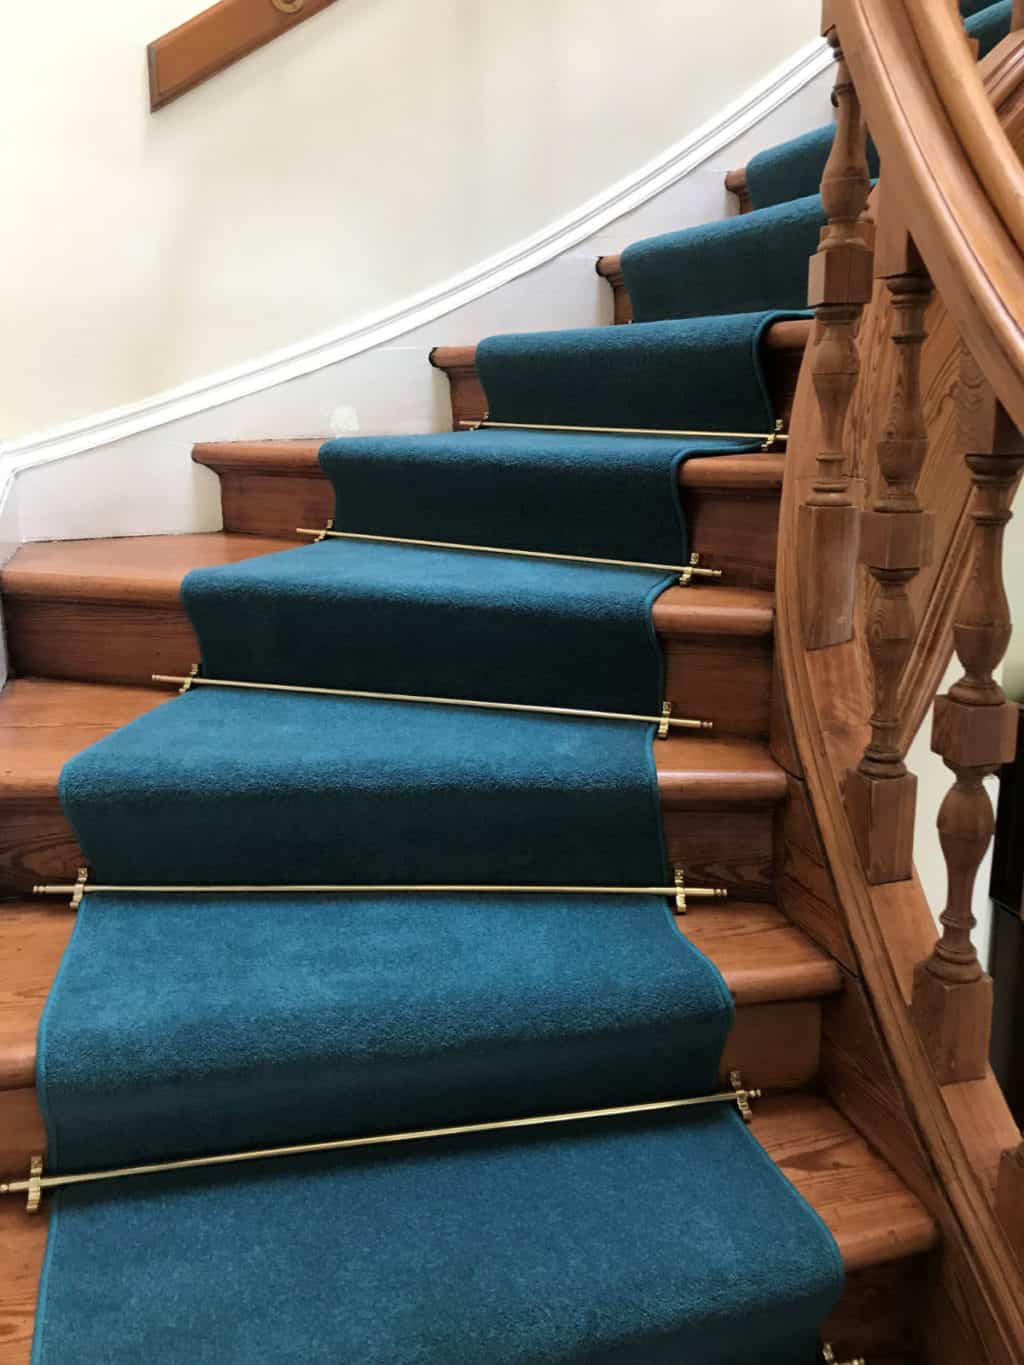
(377, 328)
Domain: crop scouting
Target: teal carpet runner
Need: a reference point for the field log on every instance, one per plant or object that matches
(196, 1024)
(205, 1023)
(793, 169)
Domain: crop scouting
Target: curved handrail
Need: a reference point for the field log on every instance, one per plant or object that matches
(955, 179)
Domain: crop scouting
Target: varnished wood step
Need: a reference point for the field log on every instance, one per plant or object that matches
(268, 488)
(872, 1215)
(776, 975)
(718, 794)
(110, 611)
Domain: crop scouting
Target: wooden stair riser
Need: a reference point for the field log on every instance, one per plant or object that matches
(723, 679)
(725, 847)
(732, 528)
(776, 1045)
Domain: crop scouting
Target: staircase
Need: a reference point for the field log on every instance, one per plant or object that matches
(745, 809)
(88, 622)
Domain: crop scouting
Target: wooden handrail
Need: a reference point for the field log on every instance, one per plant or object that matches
(953, 69)
(217, 38)
(920, 89)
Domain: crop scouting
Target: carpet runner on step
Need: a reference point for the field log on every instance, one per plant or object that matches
(205, 1023)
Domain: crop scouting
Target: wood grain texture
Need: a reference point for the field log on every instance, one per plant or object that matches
(110, 611)
(213, 40)
(873, 1218)
(974, 1279)
(895, 542)
(925, 105)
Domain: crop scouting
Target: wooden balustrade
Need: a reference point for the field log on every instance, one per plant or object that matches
(839, 285)
(895, 543)
(974, 731)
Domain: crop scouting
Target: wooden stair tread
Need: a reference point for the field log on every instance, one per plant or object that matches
(298, 459)
(147, 571)
(873, 1217)
(761, 955)
(43, 722)
(871, 1213)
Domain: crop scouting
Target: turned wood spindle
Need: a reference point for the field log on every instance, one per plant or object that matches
(895, 543)
(839, 284)
(975, 733)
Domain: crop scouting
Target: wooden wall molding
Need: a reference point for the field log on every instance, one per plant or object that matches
(217, 38)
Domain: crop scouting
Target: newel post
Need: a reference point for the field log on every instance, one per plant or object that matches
(895, 544)
(839, 285)
(974, 731)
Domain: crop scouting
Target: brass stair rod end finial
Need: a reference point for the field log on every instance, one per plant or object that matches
(743, 1096)
(777, 436)
(828, 1357)
(686, 893)
(695, 569)
(34, 1193)
(680, 880)
(79, 889)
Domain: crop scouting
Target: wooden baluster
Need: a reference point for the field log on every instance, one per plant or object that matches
(895, 543)
(839, 284)
(1010, 1198)
(975, 733)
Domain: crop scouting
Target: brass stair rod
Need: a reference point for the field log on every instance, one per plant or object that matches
(685, 571)
(769, 438)
(34, 1185)
(664, 722)
(680, 891)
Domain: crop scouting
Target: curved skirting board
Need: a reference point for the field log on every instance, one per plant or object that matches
(364, 334)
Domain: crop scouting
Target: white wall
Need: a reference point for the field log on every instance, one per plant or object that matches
(379, 147)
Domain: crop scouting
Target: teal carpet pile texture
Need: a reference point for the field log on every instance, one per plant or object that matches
(219, 1021)
(755, 260)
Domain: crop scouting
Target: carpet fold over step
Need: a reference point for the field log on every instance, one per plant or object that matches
(358, 1014)
(622, 1242)
(197, 1024)
(755, 260)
